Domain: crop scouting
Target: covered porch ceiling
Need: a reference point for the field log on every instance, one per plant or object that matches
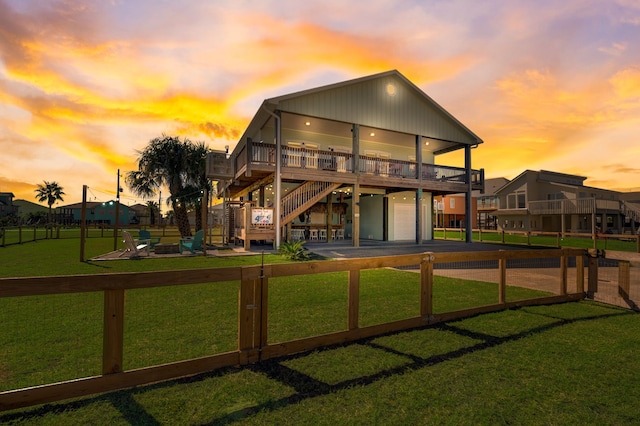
(322, 126)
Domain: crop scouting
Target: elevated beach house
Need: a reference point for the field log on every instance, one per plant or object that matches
(352, 160)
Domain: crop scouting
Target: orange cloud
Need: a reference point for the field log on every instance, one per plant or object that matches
(298, 47)
(626, 85)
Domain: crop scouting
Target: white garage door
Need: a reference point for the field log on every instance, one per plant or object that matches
(404, 222)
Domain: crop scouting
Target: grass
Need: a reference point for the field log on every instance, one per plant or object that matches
(62, 257)
(544, 241)
(573, 363)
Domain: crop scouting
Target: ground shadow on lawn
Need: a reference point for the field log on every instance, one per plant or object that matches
(306, 387)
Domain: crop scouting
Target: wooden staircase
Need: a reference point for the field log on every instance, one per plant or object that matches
(304, 197)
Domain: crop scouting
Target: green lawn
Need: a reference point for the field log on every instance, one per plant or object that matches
(573, 363)
(545, 241)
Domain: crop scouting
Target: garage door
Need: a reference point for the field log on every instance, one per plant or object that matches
(404, 222)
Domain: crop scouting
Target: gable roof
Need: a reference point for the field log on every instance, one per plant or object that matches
(386, 100)
(552, 178)
(491, 187)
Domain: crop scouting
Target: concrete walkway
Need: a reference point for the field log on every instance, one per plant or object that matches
(369, 248)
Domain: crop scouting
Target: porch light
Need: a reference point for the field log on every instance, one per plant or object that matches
(391, 89)
(307, 123)
(372, 134)
(427, 143)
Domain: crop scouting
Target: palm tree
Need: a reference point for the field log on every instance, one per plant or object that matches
(197, 176)
(153, 208)
(167, 161)
(49, 192)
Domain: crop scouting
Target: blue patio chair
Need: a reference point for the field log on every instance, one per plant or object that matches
(192, 244)
(145, 235)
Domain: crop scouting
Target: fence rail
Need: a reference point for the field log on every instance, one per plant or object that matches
(253, 344)
(12, 235)
(525, 237)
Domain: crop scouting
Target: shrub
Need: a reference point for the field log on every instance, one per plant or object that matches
(294, 250)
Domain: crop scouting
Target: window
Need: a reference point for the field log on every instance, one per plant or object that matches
(517, 200)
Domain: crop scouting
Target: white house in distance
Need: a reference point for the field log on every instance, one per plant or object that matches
(353, 160)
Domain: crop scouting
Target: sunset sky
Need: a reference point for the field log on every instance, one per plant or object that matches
(547, 84)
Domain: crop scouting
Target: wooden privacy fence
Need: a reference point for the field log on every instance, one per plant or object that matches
(253, 316)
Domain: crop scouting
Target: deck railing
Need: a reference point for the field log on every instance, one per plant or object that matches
(336, 161)
(572, 206)
(257, 305)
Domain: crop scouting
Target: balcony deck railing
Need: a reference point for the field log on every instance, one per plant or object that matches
(342, 162)
(572, 206)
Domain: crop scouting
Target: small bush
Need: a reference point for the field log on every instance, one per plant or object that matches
(294, 250)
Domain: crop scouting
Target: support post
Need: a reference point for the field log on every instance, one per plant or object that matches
(624, 278)
(113, 336)
(593, 273)
(426, 285)
(354, 299)
(205, 214)
(329, 217)
(502, 285)
(468, 198)
(419, 218)
(277, 182)
(563, 274)
(117, 218)
(580, 274)
(249, 315)
(83, 222)
(355, 222)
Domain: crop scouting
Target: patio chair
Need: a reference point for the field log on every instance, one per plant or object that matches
(145, 236)
(192, 244)
(132, 248)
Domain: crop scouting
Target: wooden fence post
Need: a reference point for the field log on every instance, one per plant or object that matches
(353, 299)
(593, 273)
(624, 278)
(563, 274)
(249, 314)
(502, 237)
(502, 285)
(264, 309)
(426, 286)
(113, 337)
(580, 274)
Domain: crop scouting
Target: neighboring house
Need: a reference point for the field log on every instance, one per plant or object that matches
(141, 212)
(6, 204)
(450, 209)
(96, 213)
(31, 213)
(556, 202)
(361, 155)
(487, 202)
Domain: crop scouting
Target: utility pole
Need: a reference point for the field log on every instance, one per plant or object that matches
(83, 222)
(115, 226)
